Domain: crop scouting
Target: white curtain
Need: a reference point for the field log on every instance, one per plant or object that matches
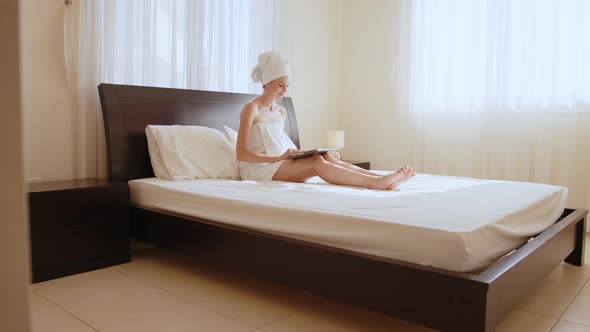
(193, 44)
(500, 89)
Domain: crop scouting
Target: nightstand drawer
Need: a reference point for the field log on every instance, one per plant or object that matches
(61, 210)
(87, 242)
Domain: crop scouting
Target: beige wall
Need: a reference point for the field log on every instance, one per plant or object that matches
(312, 40)
(368, 112)
(14, 260)
(48, 109)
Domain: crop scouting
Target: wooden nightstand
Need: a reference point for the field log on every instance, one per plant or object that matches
(77, 226)
(362, 164)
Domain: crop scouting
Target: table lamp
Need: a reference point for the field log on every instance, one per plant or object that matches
(335, 140)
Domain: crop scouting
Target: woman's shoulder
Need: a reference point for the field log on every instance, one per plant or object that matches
(250, 106)
(254, 101)
(250, 110)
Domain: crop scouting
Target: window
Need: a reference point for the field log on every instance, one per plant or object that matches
(207, 44)
(500, 55)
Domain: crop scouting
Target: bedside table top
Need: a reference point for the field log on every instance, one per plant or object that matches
(66, 184)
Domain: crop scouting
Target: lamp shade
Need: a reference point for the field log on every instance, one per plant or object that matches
(335, 139)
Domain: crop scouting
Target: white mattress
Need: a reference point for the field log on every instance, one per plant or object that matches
(453, 223)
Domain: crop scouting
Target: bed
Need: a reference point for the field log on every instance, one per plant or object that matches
(436, 297)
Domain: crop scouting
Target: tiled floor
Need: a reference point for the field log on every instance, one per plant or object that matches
(167, 292)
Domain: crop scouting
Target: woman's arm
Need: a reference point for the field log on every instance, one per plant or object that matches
(247, 118)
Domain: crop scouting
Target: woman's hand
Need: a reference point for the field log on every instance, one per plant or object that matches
(289, 153)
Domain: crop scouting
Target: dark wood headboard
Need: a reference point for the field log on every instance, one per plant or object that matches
(128, 109)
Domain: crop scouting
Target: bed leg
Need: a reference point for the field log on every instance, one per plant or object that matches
(577, 256)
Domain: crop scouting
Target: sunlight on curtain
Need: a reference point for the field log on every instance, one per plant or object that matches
(203, 45)
(500, 55)
(500, 89)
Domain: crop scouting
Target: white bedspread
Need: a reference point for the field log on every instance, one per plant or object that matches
(453, 223)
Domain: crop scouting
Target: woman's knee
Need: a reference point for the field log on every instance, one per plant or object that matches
(317, 158)
(329, 157)
(318, 161)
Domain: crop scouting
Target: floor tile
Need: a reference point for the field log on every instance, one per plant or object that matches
(579, 310)
(105, 298)
(560, 287)
(186, 317)
(174, 273)
(521, 321)
(48, 317)
(323, 315)
(256, 304)
(565, 326)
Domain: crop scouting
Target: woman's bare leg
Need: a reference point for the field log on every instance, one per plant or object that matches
(334, 160)
(303, 169)
(410, 173)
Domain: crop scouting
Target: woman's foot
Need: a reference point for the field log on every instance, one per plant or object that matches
(385, 182)
(408, 174)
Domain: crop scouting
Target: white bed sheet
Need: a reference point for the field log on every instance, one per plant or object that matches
(453, 223)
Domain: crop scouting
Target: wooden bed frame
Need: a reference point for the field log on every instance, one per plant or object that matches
(440, 299)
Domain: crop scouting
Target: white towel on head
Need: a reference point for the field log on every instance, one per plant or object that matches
(270, 67)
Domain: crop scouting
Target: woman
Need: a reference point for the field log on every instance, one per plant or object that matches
(263, 147)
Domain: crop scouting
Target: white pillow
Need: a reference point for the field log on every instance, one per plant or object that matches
(155, 157)
(232, 135)
(191, 152)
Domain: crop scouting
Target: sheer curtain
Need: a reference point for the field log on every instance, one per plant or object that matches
(205, 45)
(500, 89)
